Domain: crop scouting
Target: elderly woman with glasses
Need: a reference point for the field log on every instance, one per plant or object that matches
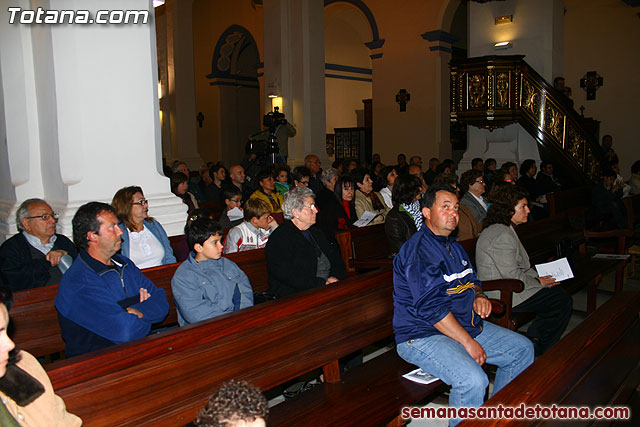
(299, 256)
(144, 241)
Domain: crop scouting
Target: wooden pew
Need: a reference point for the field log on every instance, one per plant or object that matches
(596, 364)
(165, 378)
(364, 247)
(35, 319)
(573, 200)
(541, 237)
(367, 247)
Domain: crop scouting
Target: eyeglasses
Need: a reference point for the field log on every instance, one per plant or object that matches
(45, 217)
(182, 170)
(480, 181)
(236, 200)
(312, 206)
(141, 202)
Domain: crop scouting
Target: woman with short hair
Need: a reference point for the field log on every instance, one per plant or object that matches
(500, 255)
(367, 199)
(299, 256)
(405, 218)
(179, 187)
(325, 195)
(300, 176)
(144, 241)
(339, 213)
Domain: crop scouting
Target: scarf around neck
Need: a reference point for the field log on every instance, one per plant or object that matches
(413, 209)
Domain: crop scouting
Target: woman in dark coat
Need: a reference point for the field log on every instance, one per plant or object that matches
(405, 218)
(299, 256)
(338, 213)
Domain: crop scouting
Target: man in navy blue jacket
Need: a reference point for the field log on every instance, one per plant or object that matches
(103, 298)
(439, 307)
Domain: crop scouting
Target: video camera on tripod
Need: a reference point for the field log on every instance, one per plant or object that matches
(267, 150)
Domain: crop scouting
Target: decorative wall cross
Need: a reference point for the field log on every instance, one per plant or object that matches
(402, 98)
(591, 82)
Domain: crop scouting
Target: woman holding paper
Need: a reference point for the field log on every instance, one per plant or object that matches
(368, 200)
(500, 255)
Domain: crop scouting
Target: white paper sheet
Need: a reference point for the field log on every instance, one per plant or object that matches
(235, 214)
(559, 269)
(365, 219)
(420, 376)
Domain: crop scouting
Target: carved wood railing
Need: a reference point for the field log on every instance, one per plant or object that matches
(494, 91)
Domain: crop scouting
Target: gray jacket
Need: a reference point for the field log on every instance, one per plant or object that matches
(205, 289)
(477, 210)
(500, 255)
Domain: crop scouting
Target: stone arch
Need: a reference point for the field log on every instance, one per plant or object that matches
(376, 41)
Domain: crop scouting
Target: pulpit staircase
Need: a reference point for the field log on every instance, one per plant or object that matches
(493, 91)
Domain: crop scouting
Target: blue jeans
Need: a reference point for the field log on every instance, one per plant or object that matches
(447, 359)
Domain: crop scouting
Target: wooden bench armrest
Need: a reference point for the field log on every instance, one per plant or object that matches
(497, 307)
(506, 287)
(503, 285)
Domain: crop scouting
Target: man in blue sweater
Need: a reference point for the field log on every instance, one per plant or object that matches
(103, 298)
(439, 307)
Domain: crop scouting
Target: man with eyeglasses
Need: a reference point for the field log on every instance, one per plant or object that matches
(31, 258)
(313, 163)
(472, 182)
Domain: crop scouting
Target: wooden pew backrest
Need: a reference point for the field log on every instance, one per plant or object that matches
(35, 320)
(164, 379)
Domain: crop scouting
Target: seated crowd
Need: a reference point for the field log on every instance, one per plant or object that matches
(104, 299)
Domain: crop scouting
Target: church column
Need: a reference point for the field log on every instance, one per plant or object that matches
(80, 113)
(178, 105)
(294, 64)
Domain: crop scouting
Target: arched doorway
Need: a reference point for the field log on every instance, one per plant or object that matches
(234, 82)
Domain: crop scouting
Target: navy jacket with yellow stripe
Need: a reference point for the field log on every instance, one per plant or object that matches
(433, 276)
